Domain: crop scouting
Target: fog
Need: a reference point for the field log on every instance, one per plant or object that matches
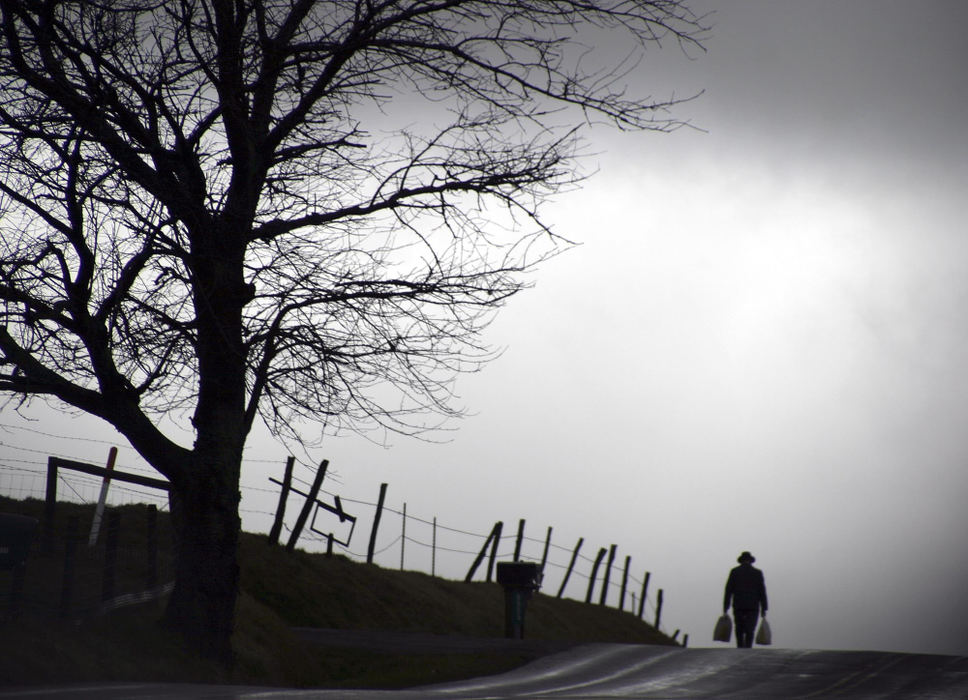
(759, 344)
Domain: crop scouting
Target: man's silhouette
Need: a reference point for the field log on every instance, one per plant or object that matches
(746, 589)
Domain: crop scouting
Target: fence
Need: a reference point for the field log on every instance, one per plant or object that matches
(318, 519)
(73, 573)
(583, 577)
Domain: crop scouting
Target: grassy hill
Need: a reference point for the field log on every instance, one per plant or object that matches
(279, 591)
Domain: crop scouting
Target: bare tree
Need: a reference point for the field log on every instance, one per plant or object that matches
(282, 210)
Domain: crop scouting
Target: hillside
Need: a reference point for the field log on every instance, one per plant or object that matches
(281, 591)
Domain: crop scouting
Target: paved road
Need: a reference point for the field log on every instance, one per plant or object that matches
(426, 643)
(616, 671)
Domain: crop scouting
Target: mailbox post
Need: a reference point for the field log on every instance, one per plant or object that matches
(520, 580)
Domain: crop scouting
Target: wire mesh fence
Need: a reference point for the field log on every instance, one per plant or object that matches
(83, 569)
(408, 540)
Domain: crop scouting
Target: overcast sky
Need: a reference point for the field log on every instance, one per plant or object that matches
(761, 343)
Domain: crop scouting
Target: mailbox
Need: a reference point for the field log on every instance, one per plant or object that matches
(522, 574)
(520, 580)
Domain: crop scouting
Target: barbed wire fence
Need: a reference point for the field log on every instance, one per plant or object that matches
(404, 540)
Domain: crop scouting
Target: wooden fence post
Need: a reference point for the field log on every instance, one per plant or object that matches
(102, 497)
(376, 523)
(658, 609)
(308, 505)
(433, 549)
(479, 558)
(645, 588)
(151, 577)
(50, 505)
(498, 528)
(594, 574)
(403, 534)
(544, 557)
(571, 565)
(67, 581)
(281, 508)
(517, 544)
(495, 532)
(625, 581)
(111, 556)
(608, 574)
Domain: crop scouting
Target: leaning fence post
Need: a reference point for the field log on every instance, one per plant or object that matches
(571, 565)
(685, 641)
(67, 581)
(658, 609)
(376, 523)
(625, 581)
(517, 544)
(102, 497)
(308, 505)
(594, 574)
(495, 532)
(498, 528)
(645, 588)
(544, 557)
(608, 574)
(281, 508)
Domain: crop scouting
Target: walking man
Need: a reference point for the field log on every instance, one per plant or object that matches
(746, 589)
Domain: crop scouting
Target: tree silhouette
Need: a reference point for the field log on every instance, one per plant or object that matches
(285, 210)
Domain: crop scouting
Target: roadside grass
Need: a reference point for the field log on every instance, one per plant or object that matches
(279, 591)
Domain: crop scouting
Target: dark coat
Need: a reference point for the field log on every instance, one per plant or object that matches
(746, 588)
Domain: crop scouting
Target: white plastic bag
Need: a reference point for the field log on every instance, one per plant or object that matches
(723, 630)
(764, 635)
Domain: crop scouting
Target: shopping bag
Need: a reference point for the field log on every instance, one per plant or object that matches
(764, 635)
(723, 630)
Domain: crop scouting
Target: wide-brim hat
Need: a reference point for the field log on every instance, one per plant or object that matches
(746, 556)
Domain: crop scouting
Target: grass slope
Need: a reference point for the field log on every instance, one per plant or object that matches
(281, 590)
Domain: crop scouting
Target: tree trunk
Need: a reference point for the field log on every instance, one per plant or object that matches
(205, 503)
(205, 518)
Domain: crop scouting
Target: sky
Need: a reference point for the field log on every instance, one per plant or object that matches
(760, 344)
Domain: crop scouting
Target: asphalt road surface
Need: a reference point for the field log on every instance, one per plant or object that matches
(602, 671)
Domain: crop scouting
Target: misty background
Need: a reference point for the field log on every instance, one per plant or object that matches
(760, 344)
